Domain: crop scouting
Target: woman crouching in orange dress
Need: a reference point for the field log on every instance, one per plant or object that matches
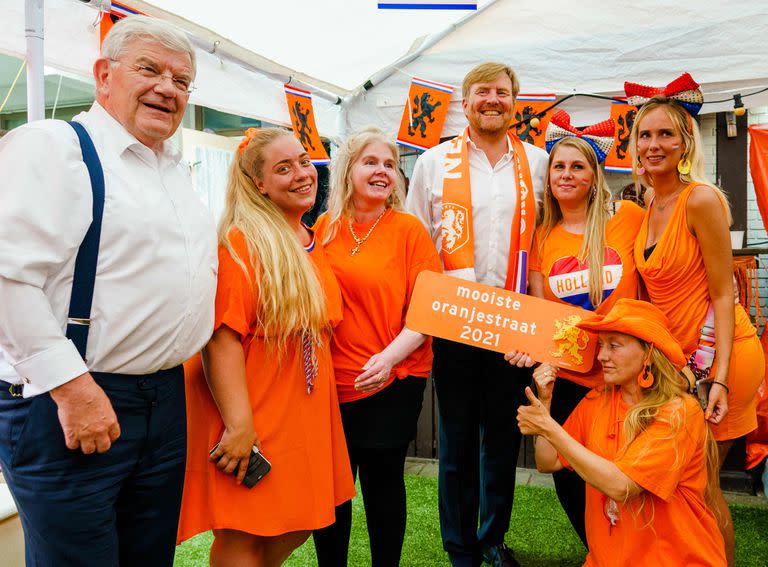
(268, 369)
(641, 444)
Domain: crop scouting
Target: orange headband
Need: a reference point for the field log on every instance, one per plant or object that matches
(249, 134)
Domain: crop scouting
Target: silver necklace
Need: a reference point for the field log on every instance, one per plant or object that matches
(359, 241)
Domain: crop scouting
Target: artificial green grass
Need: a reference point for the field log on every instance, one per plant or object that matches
(539, 533)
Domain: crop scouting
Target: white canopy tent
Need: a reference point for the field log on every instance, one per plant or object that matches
(556, 46)
(332, 38)
(231, 79)
(591, 46)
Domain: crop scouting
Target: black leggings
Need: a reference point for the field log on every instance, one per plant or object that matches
(570, 488)
(383, 488)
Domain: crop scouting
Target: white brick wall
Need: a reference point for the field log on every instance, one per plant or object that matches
(756, 234)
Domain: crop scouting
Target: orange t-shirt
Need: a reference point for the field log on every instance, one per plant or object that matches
(376, 284)
(669, 523)
(301, 434)
(566, 279)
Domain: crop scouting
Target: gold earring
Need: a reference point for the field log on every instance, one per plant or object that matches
(684, 166)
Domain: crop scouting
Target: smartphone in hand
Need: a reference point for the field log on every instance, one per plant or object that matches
(258, 467)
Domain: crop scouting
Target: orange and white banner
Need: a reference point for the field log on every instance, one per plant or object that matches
(424, 114)
(528, 105)
(303, 124)
(117, 12)
(619, 159)
(496, 319)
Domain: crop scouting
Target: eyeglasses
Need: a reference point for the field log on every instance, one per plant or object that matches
(183, 85)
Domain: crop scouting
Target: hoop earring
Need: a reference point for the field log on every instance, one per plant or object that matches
(646, 379)
(684, 166)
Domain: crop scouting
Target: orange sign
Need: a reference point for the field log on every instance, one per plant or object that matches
(496, 319)
(526, 107)
(303, 124)
(618, 159)
(424, 114)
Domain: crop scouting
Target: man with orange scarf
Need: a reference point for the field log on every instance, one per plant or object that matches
(477, 194)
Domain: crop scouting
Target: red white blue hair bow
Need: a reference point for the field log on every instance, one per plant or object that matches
(683, 90)
(599, 136)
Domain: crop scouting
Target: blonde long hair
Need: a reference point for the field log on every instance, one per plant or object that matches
(669, 386)
(598, 215)
(689, 131)
(290, 299)
(341, 189)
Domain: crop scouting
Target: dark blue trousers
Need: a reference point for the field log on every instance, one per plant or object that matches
(478, 394)
(101, 510)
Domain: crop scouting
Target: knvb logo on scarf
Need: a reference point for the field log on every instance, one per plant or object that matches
(424, 114)
(454, 220)
(303, 124)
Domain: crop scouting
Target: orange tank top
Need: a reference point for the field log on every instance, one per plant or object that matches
(676, 279)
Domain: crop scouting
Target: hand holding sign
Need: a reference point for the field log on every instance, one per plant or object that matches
(500, 320)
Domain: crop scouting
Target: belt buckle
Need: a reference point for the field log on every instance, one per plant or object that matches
(16, 390)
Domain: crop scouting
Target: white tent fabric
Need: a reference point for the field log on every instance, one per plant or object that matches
(591, 46)
(556, 46)
(241, 85)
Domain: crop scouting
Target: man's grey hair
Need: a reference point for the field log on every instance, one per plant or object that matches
(136, 26)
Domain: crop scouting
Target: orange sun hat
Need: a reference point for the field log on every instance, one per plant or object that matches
(641, 320)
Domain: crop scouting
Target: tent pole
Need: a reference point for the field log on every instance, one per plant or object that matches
(33, 30)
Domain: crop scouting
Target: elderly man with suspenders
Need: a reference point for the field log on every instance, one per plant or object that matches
(107, 282)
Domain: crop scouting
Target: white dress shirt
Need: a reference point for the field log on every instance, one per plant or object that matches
(494, 199)
(153, 301)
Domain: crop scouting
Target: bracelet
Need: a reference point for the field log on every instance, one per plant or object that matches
(727, 389)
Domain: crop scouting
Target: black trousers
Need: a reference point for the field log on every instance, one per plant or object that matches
(478, 394)
(378, 431)
(570, 487)
(383, 488)
(119, 508)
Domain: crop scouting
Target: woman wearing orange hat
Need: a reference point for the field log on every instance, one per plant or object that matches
(582, 256)
(268, 369)
(641, 443)
(683, 253)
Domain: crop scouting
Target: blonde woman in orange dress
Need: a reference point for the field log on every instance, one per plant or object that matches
(683, 254)
(268, 369)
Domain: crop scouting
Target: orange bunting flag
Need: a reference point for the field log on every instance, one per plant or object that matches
(117, 12)
(424, 114)
(619, 159)
(528, 105)
(303, 124)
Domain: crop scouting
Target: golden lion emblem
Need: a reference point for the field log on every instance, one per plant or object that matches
(570, 339)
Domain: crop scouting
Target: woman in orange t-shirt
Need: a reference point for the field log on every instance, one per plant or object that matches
(641, 443)
(376, 251)
(683, 253)
(582, 256)
(268, 368)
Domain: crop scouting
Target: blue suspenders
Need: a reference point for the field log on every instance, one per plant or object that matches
(79, 317)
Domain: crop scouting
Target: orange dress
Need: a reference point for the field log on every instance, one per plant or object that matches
(566, 279)
(301, 434)
(376, 284)
(676, 280)
(669, 523)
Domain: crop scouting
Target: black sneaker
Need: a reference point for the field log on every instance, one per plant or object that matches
(500, 556)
